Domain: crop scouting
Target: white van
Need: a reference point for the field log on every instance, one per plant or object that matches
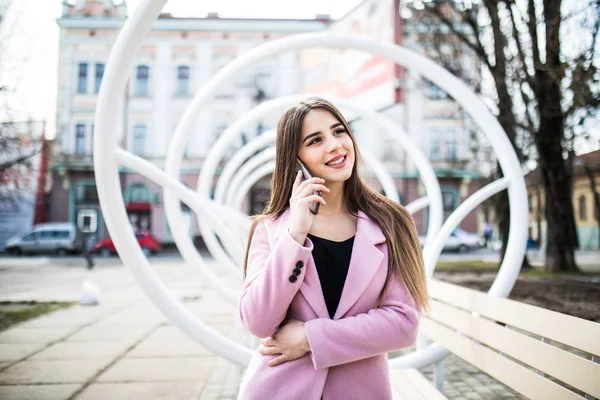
(57, 238)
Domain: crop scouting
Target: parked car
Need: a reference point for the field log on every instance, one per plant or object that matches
(460, 241)
(147, 242)
(58, 238)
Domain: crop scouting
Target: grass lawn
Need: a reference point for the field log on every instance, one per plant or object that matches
(466, 265)
(14, 312)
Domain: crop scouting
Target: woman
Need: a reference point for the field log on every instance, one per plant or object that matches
(330, 293)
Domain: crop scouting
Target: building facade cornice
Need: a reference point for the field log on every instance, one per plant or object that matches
(202, 24)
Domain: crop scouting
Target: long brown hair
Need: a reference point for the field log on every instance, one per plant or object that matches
(405, 256)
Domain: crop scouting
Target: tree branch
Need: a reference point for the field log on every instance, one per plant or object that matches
(434, 10)
(515, 34)
(19, 160)
(532, 25)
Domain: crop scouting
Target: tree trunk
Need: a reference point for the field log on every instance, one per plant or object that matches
(507, 120)
(561, 231)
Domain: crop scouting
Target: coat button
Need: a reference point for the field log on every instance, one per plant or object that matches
(296, 271)
(293, 278)
(299, 264)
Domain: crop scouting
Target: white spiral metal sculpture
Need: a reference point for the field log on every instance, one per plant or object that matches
(220, 217)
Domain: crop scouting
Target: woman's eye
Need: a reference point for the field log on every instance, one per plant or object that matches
(342, 130)
(314, 141)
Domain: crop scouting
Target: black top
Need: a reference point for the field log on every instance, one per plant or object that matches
(332, 260)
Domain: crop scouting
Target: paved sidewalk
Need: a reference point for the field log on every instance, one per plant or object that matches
(125, 348)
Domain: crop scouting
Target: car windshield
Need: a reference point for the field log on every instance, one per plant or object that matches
(30, 237)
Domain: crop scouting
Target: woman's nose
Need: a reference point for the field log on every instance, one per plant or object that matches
(334, 145)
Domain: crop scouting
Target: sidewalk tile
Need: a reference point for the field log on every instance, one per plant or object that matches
(16, 351)
(159, 369)
(105, 333)
(58, 371)
(170, 332)
(169, 347)
(182, 390)
(38, 392)
(145, 316)
(35, 335)
(83, 350)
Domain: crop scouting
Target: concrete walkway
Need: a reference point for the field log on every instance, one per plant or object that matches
(125, 348)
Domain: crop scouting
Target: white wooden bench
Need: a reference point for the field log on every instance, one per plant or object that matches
(539, 353)
(410, 384)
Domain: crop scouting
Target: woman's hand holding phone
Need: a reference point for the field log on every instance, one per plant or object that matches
(301, 218)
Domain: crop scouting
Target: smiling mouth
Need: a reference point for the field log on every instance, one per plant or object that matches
(336, 162)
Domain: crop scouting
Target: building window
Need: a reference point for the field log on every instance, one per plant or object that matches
(183, 81)
(434, 145)
(80, 139)
(139, 140)
(448, 200)
(582, 208)
(86, 194)
(142, 81)
(139, 194)
(99, 75)
(82, 78)
(434, 92)
(451, 145)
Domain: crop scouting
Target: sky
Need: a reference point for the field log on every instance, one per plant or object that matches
(29, 44)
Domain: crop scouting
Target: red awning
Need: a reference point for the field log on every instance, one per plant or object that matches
(138, 206)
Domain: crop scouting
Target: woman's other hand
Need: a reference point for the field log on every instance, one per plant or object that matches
(301, 218)
(290, 342)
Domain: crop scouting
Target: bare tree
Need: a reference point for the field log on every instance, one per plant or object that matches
(20, 137)
(544, 89)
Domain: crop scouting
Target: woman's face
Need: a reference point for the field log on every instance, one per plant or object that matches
(326, 147)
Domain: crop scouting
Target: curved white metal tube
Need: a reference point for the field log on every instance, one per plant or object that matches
(110, 100)
(387, 182)
(238, 159)
(231, 134)
(111, 200)
(200, 206)
(457, 216)
(266, 155)
(250, 181)
(418, 204)
(431, 71)
(421, 358)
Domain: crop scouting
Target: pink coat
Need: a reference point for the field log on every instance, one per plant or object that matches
(348, 353)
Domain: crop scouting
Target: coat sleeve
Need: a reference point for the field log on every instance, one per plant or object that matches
(269, 287)
(391, 327)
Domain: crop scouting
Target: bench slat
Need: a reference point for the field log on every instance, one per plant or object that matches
(567, 367)
(402, 388)
(505, 370)
(424, 386)
(572, 331)
(410, 384)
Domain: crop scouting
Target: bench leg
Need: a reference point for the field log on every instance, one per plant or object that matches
(595, 360)
(438, 376)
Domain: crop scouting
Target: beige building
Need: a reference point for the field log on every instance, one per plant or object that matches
(586, 202)
(178, 57)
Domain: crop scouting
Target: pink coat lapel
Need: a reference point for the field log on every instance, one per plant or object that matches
(364, 263)
(311, 286)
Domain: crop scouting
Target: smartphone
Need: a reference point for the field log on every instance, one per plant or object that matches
(314, 207)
